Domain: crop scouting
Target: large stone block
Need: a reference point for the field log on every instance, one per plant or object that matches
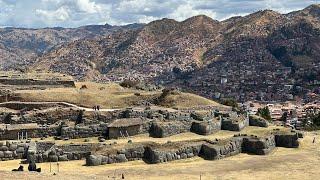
(94, 160)
(63, 158)
(205, 127)
(258, 146)
(287, 140)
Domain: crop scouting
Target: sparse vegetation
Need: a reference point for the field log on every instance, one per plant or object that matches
(79, 119)
(230, 102)
(129, 83)
(7, 119)
(265, 113)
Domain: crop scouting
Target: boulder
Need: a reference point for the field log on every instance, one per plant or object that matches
(8, 154)
(94, 160)
(4, 148)
(63, 157)
(121, 158)
(13, 147)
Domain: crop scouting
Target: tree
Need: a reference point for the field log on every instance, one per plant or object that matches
(315, 119)
(7, 119)
(79, 119)
(284, 117)
(230, 102)
(264, 112)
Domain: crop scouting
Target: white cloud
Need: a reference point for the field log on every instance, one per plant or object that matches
(185, 11)
(61, 14)
(73, 13)
(88, 6)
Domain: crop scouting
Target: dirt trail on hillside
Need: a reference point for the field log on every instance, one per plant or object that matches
(60, 103)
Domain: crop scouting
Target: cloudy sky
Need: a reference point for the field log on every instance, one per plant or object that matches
(74, 13)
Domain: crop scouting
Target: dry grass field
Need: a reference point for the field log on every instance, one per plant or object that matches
(282, 163)
(110, 95)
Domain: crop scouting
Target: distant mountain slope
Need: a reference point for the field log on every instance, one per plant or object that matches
(21, 46)
(144, 53)
(265, 55)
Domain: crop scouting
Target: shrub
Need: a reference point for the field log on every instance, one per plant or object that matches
(129, 83)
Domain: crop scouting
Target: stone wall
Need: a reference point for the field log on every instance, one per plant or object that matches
(12, 150)
(206, 127)
(49, 116)
(221, 149)
(258, 146)
(119, 132)
(36, 132)
(36, 82)
(287, 140)
(49, 152)
(174, 151)
(234, 124)
(154, 153)
(123, 155)
(164, 129)
(80, 131)
(156, 114)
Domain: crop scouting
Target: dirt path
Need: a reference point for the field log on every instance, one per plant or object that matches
(59, 103)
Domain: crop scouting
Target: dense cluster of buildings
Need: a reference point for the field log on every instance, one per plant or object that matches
(295, 112)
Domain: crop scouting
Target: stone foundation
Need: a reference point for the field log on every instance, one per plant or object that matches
(206, 127)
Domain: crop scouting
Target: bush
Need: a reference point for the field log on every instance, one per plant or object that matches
(129, 83)
(79, 119)
(230, 102)
(84, 87)
(264, 112)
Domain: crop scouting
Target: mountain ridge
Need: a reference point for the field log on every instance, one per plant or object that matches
(199, 52)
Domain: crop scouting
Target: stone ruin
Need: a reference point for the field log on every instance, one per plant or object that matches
(60, 120)
(154, 153)
(16, 80)
(234, 122)
(206, 127)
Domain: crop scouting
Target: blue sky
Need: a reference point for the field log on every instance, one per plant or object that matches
(74, 13)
